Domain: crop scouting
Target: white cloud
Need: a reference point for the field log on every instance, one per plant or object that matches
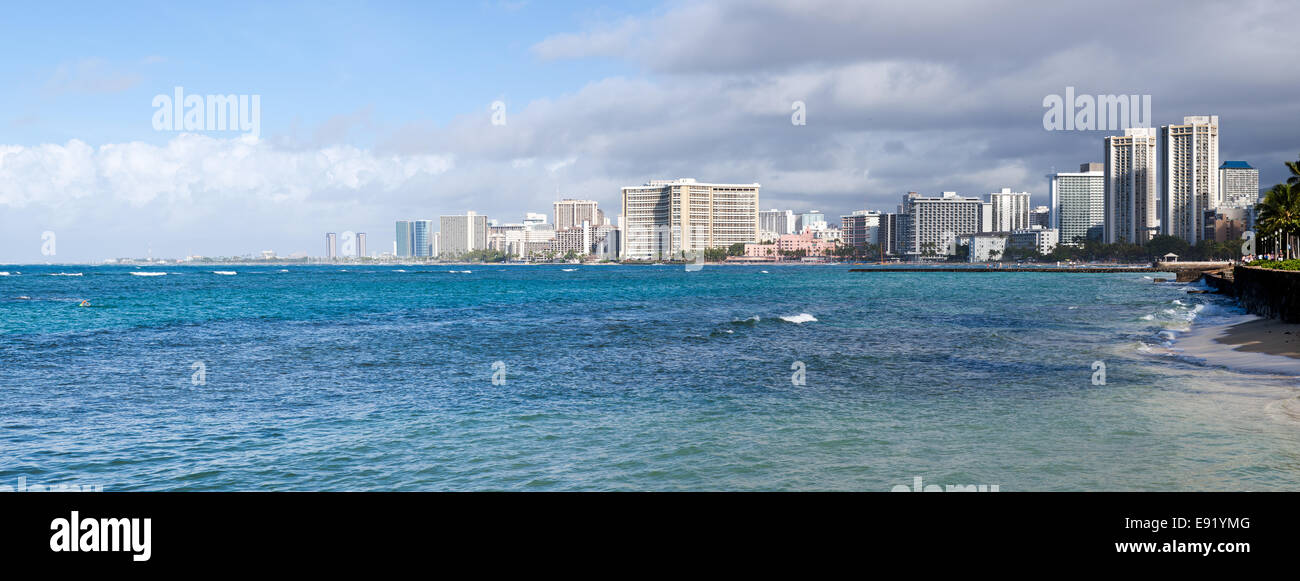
(189, 165)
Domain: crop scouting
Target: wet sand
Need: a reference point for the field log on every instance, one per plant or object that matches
(1257, 344)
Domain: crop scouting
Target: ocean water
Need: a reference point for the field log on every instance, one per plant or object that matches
(622, 378)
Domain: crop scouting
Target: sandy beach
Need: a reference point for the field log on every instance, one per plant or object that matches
(1256, 344)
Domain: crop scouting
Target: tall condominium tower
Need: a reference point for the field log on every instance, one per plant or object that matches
(1079, 203)
(461, 234)
(1189, 158)
(1238, 184)
(404, 244)
(572, 213)
(361, 244)
(1130, 175)
(665, 218)
(1010, 210)
(422, 238)
(331, 245)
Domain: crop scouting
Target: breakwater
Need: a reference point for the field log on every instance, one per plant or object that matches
(1063, 269)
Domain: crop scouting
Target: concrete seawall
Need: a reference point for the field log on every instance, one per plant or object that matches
(1265, 292)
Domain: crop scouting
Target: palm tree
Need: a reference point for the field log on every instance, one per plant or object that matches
(1279, 214)
(1294, 166)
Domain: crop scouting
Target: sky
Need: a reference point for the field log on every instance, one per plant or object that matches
(375, 112)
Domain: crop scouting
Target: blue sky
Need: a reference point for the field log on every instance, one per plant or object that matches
(374, 112)
(92, 75)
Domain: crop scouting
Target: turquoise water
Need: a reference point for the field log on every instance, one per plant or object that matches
(622, 378)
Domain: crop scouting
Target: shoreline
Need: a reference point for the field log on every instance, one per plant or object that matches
(1255, 344)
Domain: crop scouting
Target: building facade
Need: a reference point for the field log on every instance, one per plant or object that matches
(405, 240)
(933, 224)
(1189, 183)
(422, 238)
(860, 228)
(1131, 186)
(773, 223)
(461, 234)
(666, 218)
(1079, 204)
(331, 245)
(572, 213)
(1010, 210)
(1238, 184)
(1041, 240)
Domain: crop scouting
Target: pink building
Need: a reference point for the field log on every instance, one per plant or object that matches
(805, 241)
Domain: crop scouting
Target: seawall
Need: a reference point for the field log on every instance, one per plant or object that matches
(1268, 293)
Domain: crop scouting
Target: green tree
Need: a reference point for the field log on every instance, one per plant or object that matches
(1279, 215)
(1163, 244)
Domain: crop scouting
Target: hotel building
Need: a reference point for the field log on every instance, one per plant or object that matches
(1238, 184)
(572, 213)
(1189, 156)
(666, 218)
(460, 234)
(1079, 203)
(932, 225)
(1130, 178)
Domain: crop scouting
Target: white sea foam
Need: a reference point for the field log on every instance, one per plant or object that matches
(568, 269)
(65, 274)
(800, 318)
(224, 272)
(460, 271)
(148, 274)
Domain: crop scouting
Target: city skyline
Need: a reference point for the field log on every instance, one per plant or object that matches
(353, 139)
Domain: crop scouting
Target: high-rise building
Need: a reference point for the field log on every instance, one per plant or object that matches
(666, 218)
(810, 220)
(1010, 210)
(404, 244)
(1189, 186)
(331, 245)
(933, 224)
(461, 234)
(1130, 175)
(1238, 184)
(572, 213)
(422, 234)
(774, 223)
(860, 228)
(1079, 203)
(889, 234)
(361, 244)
